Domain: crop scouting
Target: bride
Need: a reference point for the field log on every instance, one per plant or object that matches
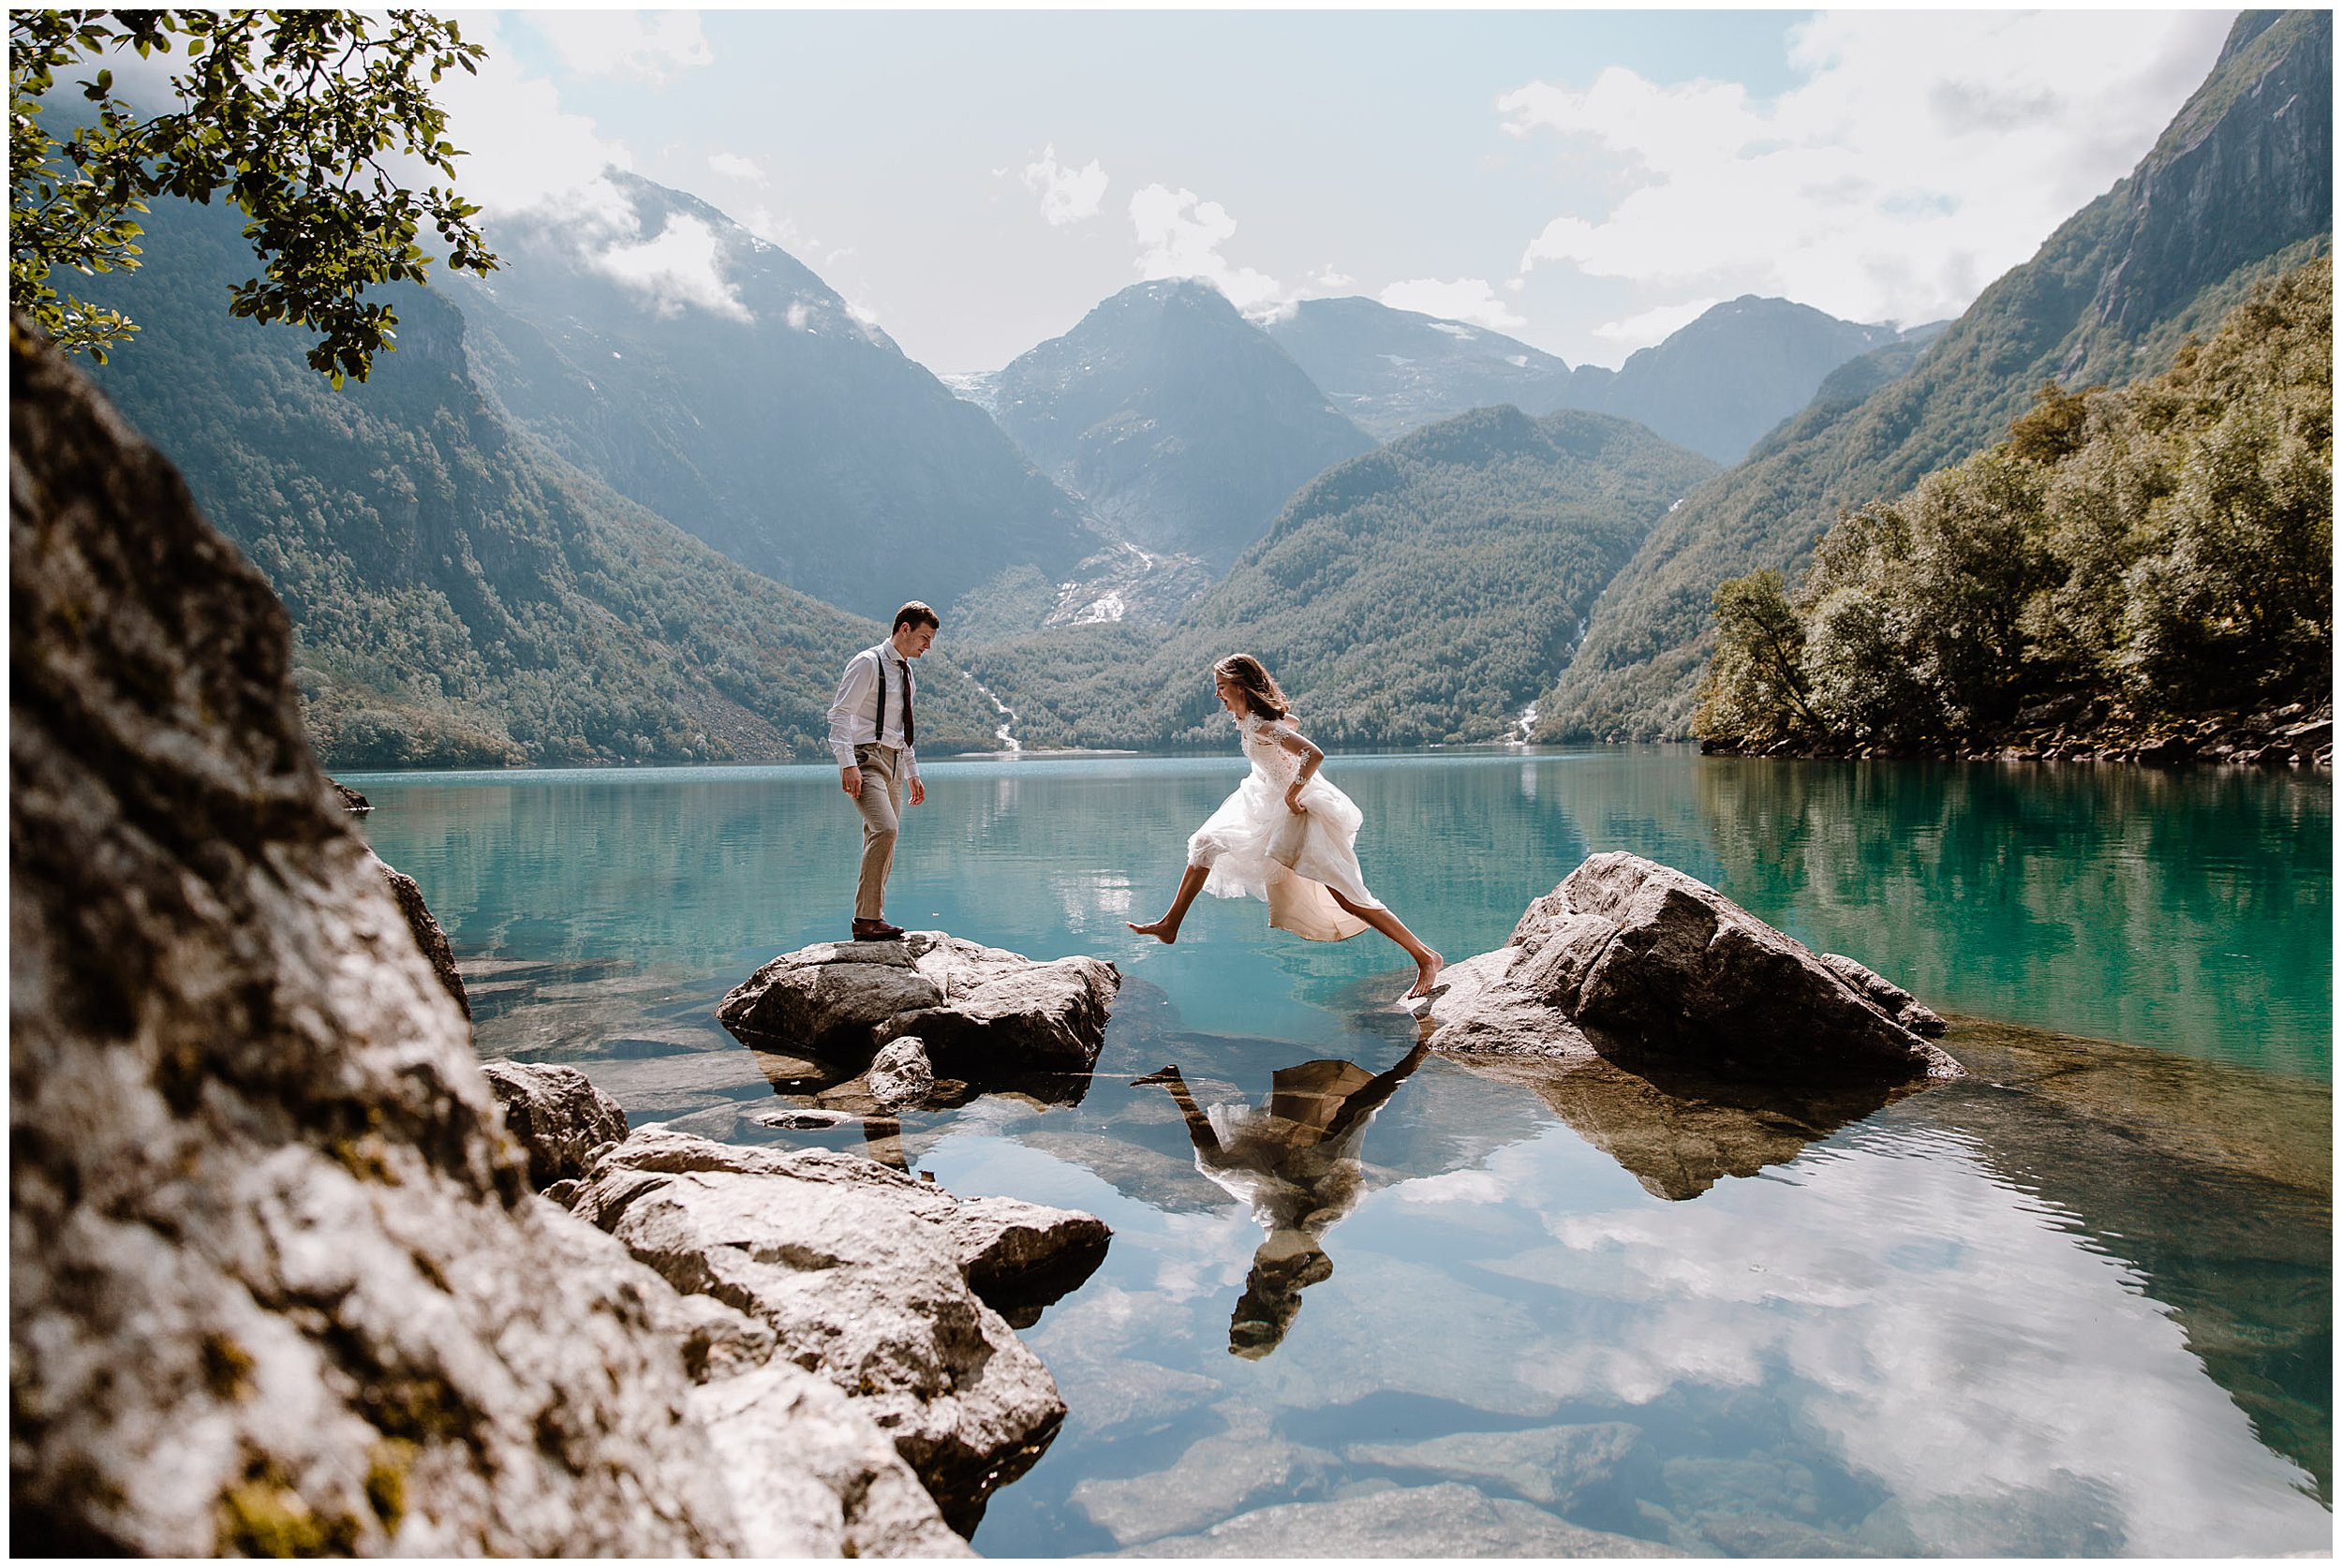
(1287, 835)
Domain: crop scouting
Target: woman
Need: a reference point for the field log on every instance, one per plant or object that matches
(1287, 835)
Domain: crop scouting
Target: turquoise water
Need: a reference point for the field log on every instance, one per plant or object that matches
(2079, 1303)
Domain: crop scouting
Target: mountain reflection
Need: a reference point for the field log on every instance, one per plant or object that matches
(1296, 1160)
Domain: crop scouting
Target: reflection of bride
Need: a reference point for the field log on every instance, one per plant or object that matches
(1295, 1162)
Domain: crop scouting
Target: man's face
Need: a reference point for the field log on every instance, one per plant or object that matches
(912, 641)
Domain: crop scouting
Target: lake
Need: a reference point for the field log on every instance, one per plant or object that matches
(2078, 1303)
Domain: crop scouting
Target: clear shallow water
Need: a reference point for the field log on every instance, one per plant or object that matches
(2078, 1305)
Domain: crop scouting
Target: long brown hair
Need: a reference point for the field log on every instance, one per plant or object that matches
(1260, 688)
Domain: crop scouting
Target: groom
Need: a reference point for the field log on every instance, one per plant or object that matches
(871, 730)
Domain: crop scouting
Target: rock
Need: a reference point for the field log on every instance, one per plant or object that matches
(864, 1273)
(900, 1073)
(561, 1119)
(1639, 963)
(832, 1484)
(1215, 1477)
(429, 939)
(1444, 1520)
(1888, 997)
(351, 799)
(981, 1013)
(277, 1283)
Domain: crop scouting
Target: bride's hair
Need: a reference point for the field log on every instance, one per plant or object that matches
(1260, 688)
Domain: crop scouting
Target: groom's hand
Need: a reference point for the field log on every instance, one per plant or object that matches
(851, 780)
(918, 793)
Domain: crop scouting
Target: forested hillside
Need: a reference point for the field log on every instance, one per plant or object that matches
(459, 597)
(2239, 190)
(2124, 557)
(777, 427)
(1422, 593)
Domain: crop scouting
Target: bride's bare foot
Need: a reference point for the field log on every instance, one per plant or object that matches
(1161, 930)
(1426, 974)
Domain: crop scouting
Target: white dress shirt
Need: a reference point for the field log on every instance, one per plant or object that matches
(851, 715)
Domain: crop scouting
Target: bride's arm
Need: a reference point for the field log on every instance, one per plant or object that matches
(1298, 744)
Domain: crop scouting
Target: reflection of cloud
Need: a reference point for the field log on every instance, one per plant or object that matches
(1454, 1186)
(1180, 235)
(1067, 195)
(1464, 299)
(1922, 153)
(1955, 1339)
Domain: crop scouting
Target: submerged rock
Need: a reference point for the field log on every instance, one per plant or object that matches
(1637, 962)
(1397, 1523)
(983, 1013)
(873, 1279)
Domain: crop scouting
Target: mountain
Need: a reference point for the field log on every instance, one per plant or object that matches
(1180, 424)
(1418, 594)
(1393, 371)
(459, 596)
(1715, 385)
(1718, 383)
(767, 420)
(2240, 188)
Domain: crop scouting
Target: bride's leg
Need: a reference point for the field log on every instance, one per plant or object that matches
(1167, 929)
(1427, 963)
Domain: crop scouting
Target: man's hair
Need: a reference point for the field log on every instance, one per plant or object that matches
(914, 613)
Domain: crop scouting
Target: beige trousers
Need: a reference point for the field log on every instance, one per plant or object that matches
(882, 820)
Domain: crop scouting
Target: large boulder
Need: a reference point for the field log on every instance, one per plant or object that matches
(983, 1013)
(868, 1277)
(278, 1283)
(430, 939)
(1639, 963)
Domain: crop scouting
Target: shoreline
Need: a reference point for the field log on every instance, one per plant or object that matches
(2296, 736)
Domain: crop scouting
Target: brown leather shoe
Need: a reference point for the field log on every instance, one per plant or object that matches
(875, 931)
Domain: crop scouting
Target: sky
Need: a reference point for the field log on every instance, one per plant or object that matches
(1586, 181)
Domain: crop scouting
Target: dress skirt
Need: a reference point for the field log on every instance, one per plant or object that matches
(1255, 847)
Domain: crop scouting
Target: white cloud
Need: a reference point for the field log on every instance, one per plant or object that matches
(1067, 195)
(525, 154)
(1465, 299)
(1653, 325)
(652, 47)
(678, 269)
(1925, 153)
(732, 166)
(1180, 235)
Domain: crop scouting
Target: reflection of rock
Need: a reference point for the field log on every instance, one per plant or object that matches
(2214, 1181)
(1639, 962)
(878, 1281)
(1397, 1523)
(1551, 1465)
(982, 1011)
(559, 1118)
(1679, 1132)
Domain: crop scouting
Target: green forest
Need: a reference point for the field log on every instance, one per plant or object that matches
(1420, 594)
(2123, 555)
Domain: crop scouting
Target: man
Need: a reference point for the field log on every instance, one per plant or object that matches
(871, 730)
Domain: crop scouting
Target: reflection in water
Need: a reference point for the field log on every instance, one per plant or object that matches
(1295, 1162)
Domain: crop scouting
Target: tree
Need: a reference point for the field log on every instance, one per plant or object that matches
(290, 114)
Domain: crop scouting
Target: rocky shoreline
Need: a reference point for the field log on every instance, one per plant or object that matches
(2082, 730)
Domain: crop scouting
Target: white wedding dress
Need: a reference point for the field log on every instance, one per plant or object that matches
(1256, 847)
